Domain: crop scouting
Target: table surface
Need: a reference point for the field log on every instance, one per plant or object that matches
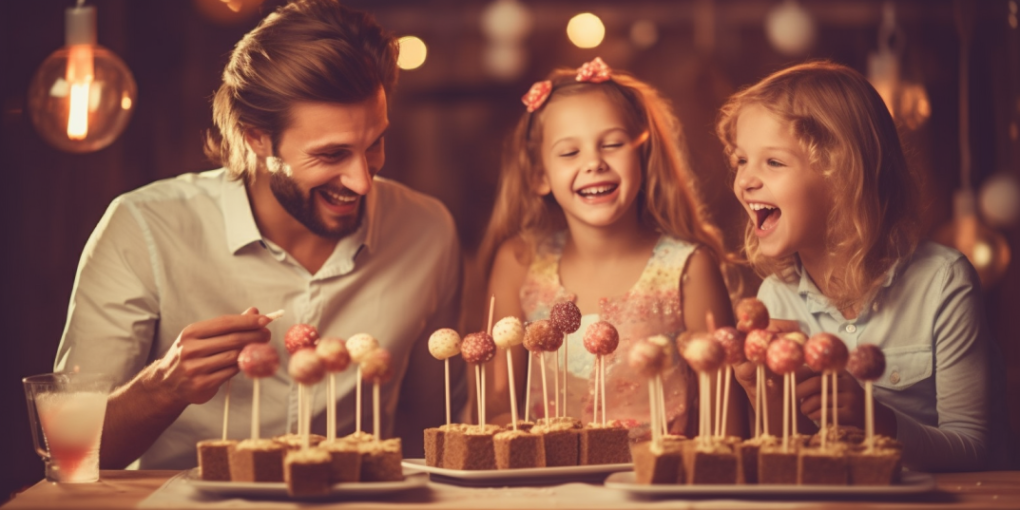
(126, 489)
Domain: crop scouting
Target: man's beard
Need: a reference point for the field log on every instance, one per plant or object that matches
(302, 208)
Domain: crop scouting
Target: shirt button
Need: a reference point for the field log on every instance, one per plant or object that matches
(850, 328)
(894, 377)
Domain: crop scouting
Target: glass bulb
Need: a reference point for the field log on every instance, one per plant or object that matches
(82, 96)
(986, 249)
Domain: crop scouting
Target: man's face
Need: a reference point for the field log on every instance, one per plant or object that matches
(325, 162)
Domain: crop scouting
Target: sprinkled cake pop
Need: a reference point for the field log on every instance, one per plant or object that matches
(444, 344)
(300, 336)
(565, 316)
(508, 332)
(732, 342)
(361, 344)
(478, 347)
(542, 336)
(866, 362)
(824, 351)
(784, 355)
(756, 345)
(601, 338)
(258, 360)
(751, 314)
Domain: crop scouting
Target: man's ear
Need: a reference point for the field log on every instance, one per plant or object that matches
(259, 142)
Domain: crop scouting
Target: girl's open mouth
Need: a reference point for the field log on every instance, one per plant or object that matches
(767, 215)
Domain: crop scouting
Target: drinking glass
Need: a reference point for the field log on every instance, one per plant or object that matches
(68, 408)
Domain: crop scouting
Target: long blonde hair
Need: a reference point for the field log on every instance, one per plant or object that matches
(668, 201)
(845, 128)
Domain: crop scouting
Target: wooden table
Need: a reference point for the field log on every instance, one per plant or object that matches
(126, 489)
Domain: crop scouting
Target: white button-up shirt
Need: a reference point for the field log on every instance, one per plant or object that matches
(187, 249)
(929, 321)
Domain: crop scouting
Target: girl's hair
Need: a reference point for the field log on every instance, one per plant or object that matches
(845, 128)
(668, 200)
(308, 50)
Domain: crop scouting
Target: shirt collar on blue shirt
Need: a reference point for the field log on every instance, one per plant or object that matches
(818, 303)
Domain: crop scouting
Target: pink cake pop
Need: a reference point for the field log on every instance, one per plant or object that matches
(732, 342)
(258, 360)
(300, 336)
(333, 353)
(478, 347)
(542, 335)
(756, 345)
(751, 314)
(784, 356)
(601, 338)
(565, 316)
(376, 368)
(306, 367)
(866, 362)
(824, 351)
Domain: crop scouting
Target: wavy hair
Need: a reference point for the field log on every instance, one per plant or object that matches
(307, 50)
(668, 201)
(846, 130)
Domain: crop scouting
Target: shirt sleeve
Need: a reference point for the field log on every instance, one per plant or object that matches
(962, 381)
(113, 310)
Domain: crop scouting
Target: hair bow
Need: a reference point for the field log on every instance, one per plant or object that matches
(595, 71)
(537, 95)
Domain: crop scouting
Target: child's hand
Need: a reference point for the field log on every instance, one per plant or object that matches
(851, 398)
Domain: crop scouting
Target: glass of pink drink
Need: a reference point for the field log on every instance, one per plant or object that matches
(69, 409)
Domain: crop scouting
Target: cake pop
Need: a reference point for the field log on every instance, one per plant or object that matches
(307, 369)
(784, 356)
(376, 368)
(257, 360)
(751, 314)
(443, 345)
(333, 353)
(601, 339)
(867, 362)
(507, 333)
(827, 354)
(359, 346)
(300, 336)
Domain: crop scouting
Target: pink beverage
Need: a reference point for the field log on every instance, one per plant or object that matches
(72, 425)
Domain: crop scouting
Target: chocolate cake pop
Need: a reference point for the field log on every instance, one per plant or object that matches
(542, 336)
(867, 362)
(478, 347)
(732, 342)
(565, 316)
(751, 314)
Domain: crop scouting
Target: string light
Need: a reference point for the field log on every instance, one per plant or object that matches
(586, 30)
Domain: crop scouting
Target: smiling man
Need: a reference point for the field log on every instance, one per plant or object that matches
(177, 275)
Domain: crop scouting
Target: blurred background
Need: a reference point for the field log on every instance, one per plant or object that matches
(949, 70)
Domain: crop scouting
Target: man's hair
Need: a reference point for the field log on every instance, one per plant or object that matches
(845, 128)
(306, 51)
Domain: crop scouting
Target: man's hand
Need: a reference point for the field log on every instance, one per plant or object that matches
(204, 356)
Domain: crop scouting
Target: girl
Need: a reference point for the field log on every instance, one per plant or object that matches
(834, 230)
(598, 206)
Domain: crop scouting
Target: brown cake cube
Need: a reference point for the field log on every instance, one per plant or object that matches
(257, 460)
(435, 438)
(294, 442)
(521, 425)
(777, 466)
(214, 459)
(470, 448)
(561, 443)
(380, 461)
(816, 466)
(710, 461)
(747, 455)
(608, 444)
(307, 472)
(880, 466)
(345, 460)
(661, 463)
(518, 449)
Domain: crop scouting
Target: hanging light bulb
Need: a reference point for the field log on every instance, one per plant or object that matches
(82, 96)
(907, 101)
(790, 28)
(985, 248)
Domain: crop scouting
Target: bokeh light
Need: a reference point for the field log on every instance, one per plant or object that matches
(412, 52)
(586, 30)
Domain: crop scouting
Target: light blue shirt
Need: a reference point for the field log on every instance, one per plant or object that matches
(928, 319)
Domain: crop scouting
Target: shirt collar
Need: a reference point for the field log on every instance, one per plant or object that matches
(817, 302)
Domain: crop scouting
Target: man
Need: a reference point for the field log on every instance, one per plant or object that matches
(296, 220)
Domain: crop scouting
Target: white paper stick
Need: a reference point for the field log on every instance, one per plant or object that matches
(566, 368)
(255, 415)
(301, 409)
(545, 390)
(305, 410)
(728, 374)
(835, 400)
(596, 384)
(717, 428)
(786, 413)
(513, 389)
(757, 401)
(357, 403)
(527, 388)
(825, 403)
(556, 382)
(705, 407)
(602, 375)
(483, 396)
(661, 402)
(275, 315)
(764, 400)
(226, 408)
(652, 418)
(375, 411)
(331, 408)
(478, 395)
(869, 415)
(447, 363)
(794, 405)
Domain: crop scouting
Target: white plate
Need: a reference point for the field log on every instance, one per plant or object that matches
(910, 483)
(411, 480)
(520, 476)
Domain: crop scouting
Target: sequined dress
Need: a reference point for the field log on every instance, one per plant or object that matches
(651, 307)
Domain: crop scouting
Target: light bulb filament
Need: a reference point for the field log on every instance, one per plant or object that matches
(80, 72)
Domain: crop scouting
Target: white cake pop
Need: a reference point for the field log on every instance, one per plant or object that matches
(360, 345)
(508, 332)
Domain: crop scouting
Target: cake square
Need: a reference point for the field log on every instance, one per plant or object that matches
(307, 472)
(435, 438)
(293, 441)
(380, 461)
(562, 440)
(469, 449)
(658, 463)
(608, 444)
(776, 466)
(214, 459)
(881, 466)
(710, 461)
(518, 449)
(345, 460)
(747, 457)
(816, 466)
(257, 460)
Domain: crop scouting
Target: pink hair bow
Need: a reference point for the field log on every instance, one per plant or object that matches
(537, 95)
(595, 71)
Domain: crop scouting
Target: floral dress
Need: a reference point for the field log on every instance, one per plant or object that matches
(651, 307)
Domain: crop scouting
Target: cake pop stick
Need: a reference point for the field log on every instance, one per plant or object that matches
(660, 393)
(488, 329)
(359, 346)
(826, 354)
(257, 361)
(567, 318)
(732, 343)
(443, 345)
(376, 368)
(307, 369)
(756, 345)
(783, 357)
(335, 357)
(507, 333)
(867, 363)
(300, 336)
(705, 356)
(478, 348)
(800, 339)
(542, 336)
(648, 360)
